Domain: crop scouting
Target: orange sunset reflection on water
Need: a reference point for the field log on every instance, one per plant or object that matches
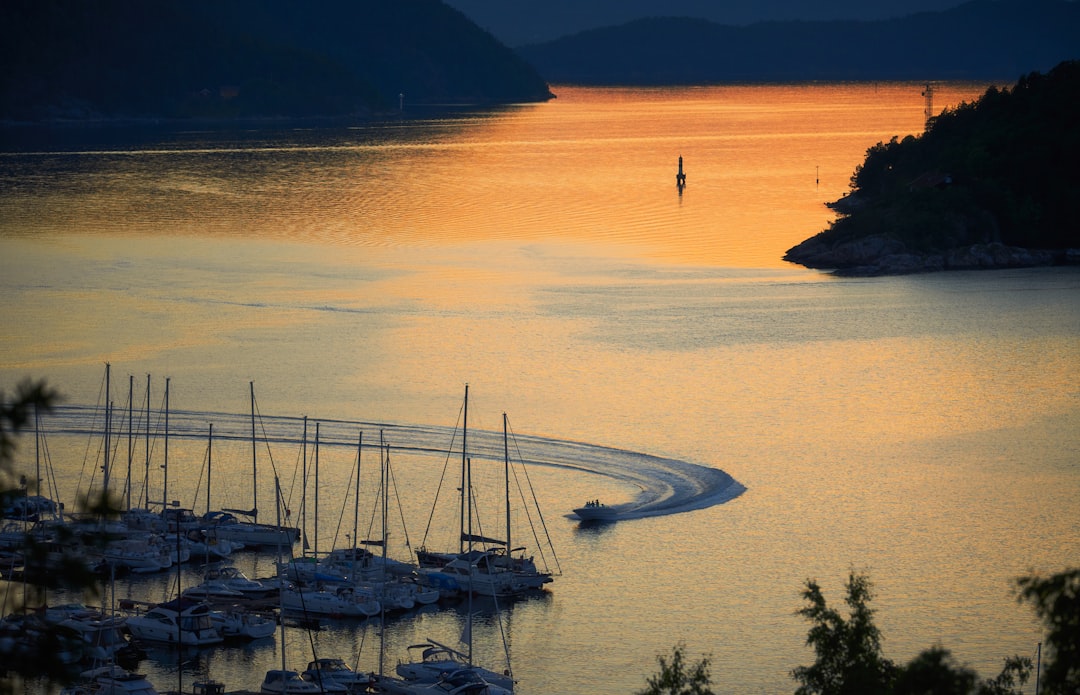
(598, 166)
(922, 428)
(592, 167)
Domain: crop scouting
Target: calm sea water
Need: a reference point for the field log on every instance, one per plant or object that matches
(921, 429)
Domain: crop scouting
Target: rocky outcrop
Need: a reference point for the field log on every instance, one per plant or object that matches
(879, 255)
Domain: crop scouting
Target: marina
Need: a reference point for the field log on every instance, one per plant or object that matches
(343, 584)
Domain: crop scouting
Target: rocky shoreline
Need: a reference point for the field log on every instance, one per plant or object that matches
(879, 255)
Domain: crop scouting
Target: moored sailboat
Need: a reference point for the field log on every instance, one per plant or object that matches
(226, 526)
(283, 681)
(489, 567)
(481, 577)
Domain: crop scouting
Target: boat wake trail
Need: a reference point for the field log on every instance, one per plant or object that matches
(665, 486)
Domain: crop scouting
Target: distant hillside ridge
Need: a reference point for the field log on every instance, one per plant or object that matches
(988, 40)
(522, 22)
(991, 184)
(248, 59)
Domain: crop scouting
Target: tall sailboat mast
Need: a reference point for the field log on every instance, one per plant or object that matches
(464, 471)
(506, 476)
(165, 484)
(303, 489)
(131, 439)
(108, 426)
(254, 467)
(356, 493)
(209, 463)
(146, 472)
(384, 480)
(37, 454)
(277, 507)
(37, 446)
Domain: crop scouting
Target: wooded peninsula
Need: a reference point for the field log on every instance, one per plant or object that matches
(989, 184)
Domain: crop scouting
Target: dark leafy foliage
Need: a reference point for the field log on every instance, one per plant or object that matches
(677, 678)
(16, 414)
(849, 658)
(1016, 671)
(934, 671)
(1056, 600)
(47, 564)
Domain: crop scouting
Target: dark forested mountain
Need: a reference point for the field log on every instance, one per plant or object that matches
(247, 58)
(522, 22)
(980, 40)
(989, 184)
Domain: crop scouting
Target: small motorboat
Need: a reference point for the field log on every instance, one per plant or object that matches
(595, 510)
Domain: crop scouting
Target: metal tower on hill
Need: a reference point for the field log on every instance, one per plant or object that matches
(928, 111)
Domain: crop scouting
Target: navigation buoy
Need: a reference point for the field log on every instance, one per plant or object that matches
(680, 178)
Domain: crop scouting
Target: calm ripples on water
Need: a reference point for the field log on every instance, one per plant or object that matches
(921, 429)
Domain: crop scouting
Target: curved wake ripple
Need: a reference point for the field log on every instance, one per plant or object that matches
(665, 486)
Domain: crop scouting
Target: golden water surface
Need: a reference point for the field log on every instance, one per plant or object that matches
(922, 429)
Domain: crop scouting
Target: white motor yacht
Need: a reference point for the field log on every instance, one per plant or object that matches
(181, 620)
